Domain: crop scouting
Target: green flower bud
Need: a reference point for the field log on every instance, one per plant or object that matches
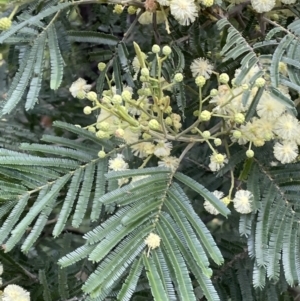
(206, 134)
(224, 78)
(131, 10)
(200, 81)
(178, 77)
(119, 132)
(118, 9)
(155, 49)
(101, 154)
(166, 50)
(205, 115)
(117, 99)
(153, 124)
(101, 135)
(217, 142)
(101, 66)
(126, 95)
(237, 134)
(214, 92)
(239, 118)
(250, 153)
(92, 96)
(219, 158)
(91, 129)
(5, 23)
(87, 110)
(168, 121)
(260, 82)
(145, 72)
(103, 126)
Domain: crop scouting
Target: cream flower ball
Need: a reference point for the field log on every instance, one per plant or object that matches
(15, 292)
(184, 11)
(286, 151)
(242, 201)
(263, 6)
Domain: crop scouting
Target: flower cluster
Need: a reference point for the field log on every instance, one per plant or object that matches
(144, 121)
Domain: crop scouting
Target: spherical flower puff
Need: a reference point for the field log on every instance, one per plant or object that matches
(143, 149)
(285, 152)
(130, 136)
(184, 11)
(242, 201)
(152, 241)
(268, 107)
(163, 148)
(15, 292)
(79, 85)
(217, 161)
(170, 162)
(209, 207)
(201, 67)
(287, 127)
(263, 6)
(117, 163)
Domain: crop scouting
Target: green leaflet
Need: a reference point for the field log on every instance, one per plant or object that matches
(204, 192)
(56, 60)
(157, 289)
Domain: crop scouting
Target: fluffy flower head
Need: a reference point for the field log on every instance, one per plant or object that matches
(184, 11)
(217, 161)
(285, 152)
(201, 67)
(152, 241)
(79, 86)
(117, 163)
(262, 6)
(242, 201)
(287, 127)
(170, 162)
(162, 149)
(15, 292)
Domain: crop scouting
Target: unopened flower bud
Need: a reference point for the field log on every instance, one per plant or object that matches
(178, 77)
(146, 136)
(239, 118)
(131, 10)
(117, 99)
(101, 66)
(206, 134)
(196, 113)
(205, 115)
(145, 72)
(219, 158)
(87, 110)
(226, 200)
(103, 126)
(153, 124)
(260, 82)
(237, 134)
(92, 96)
(217, 142)
(214, 92)
(208, 3)
(126, 95)
(5, 23)
(101, 154)
(118, 9)
(91, 129)
(224, 78)
(143, 79)
(155, 49)
(166, 50)
(168, 121)
(200, 81)
(250, 153)
(101, 134)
